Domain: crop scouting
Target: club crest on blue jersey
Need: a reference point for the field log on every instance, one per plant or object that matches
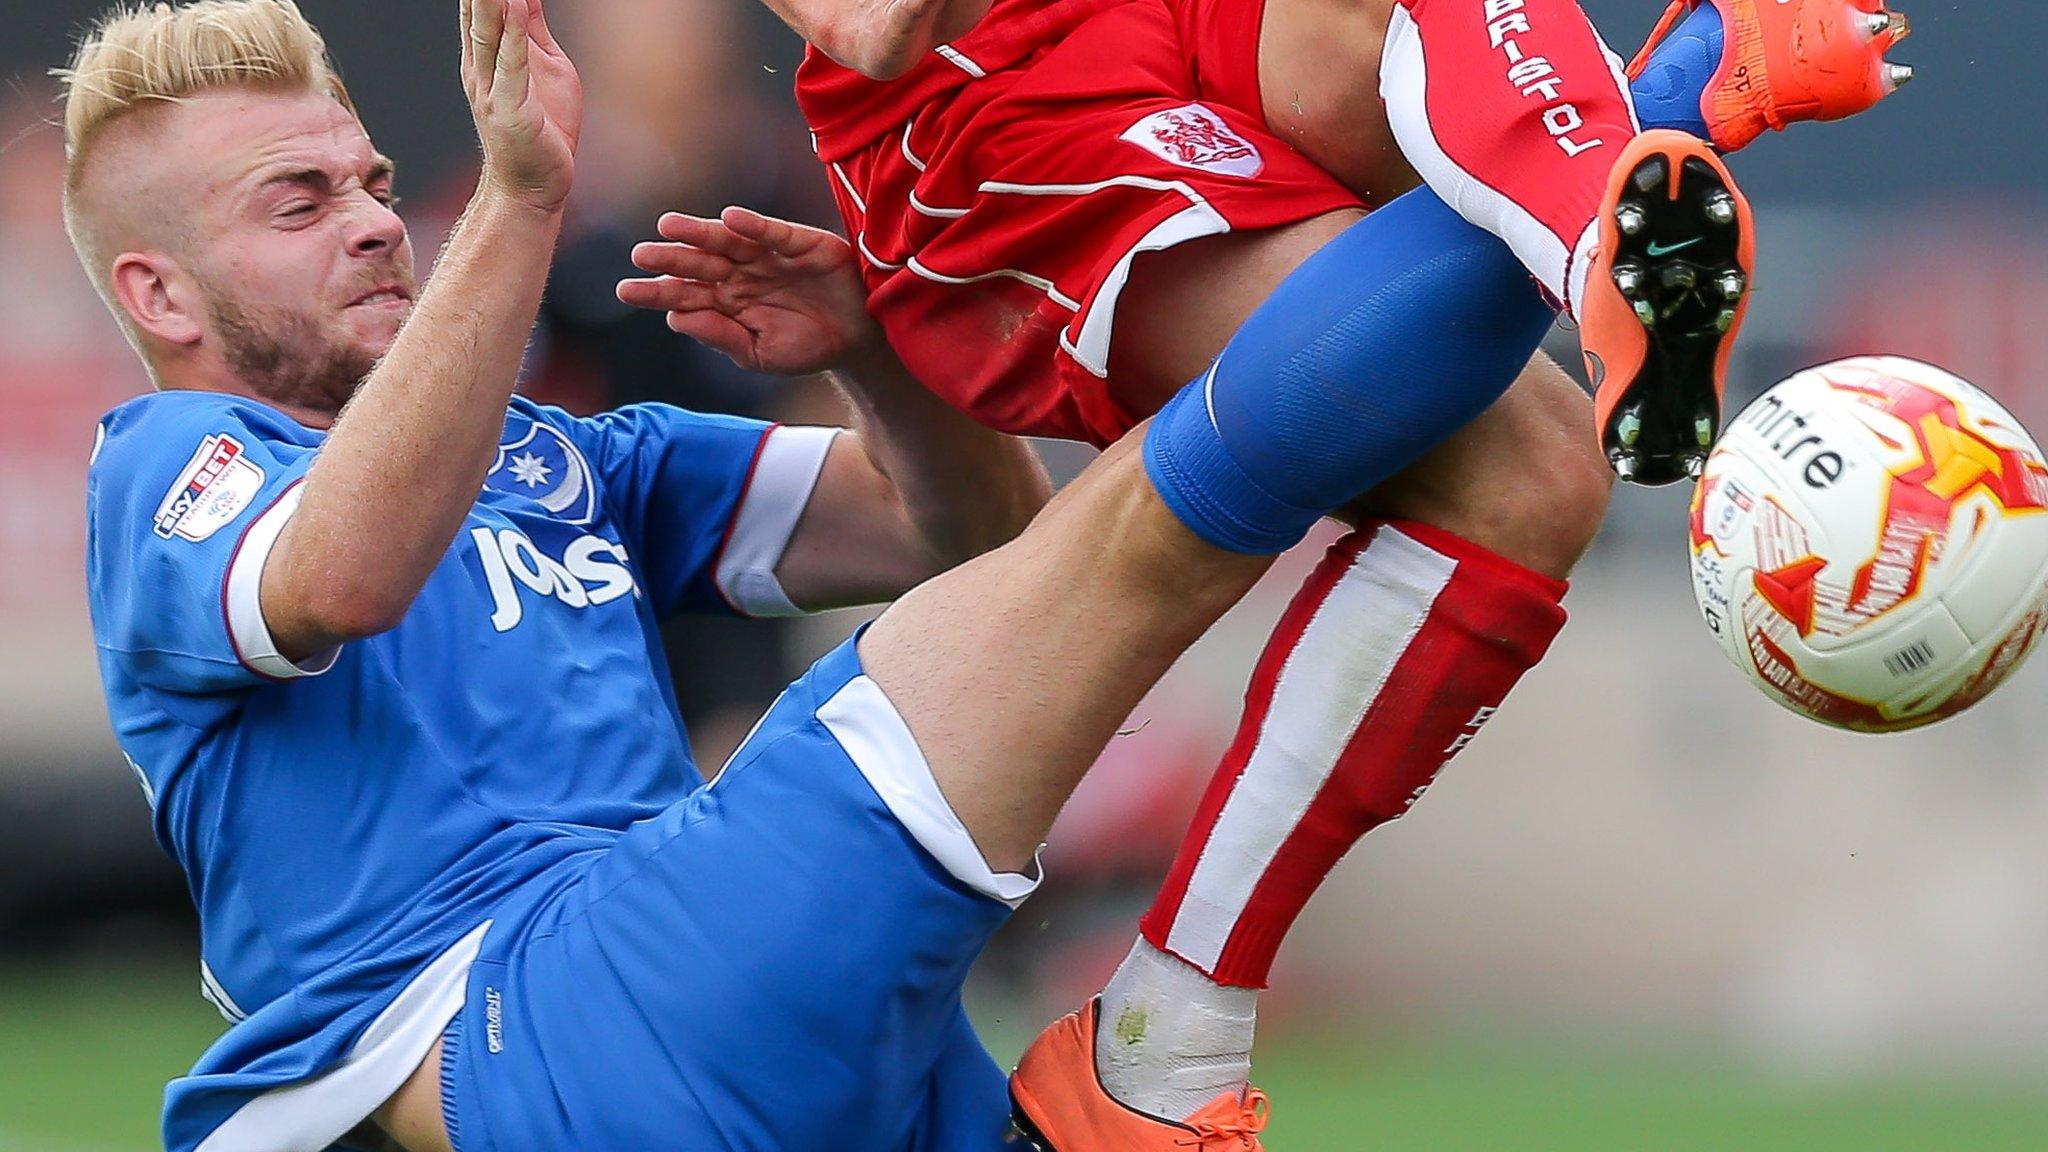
(537, 461)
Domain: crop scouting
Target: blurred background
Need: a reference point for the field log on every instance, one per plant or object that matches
(1647, 910)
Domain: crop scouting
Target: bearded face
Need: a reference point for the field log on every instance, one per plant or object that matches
(282, 246)
(308, 353)
(249, 242)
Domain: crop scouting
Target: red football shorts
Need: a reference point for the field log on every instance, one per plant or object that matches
(998, 215)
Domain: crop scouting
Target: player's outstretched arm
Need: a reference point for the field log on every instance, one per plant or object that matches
(879, 39)
(918, 487)
(407, 456)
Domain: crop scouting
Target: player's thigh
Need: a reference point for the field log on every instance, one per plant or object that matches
(1524, 480)
(1319, 83)
(1016, 669)
(1181, 305)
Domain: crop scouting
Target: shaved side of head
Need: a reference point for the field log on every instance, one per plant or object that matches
(121, 199)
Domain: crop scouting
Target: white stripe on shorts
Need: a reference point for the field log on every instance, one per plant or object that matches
(317, 1112)
(880, 744)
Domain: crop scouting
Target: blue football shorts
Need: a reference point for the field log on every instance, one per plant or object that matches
(773, 963)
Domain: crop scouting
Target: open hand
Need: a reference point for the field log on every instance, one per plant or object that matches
(526, 97)
(774, 296)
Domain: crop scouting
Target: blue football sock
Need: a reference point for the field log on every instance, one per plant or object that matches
(1667, 94)
(1389, 338)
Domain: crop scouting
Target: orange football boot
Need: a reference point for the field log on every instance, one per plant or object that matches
(1059, 1104)
(1666, 291)
(1785, 61)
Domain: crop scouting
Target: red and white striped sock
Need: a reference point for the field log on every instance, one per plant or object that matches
(1514, 112)
(1400, 646)
(1402, 643)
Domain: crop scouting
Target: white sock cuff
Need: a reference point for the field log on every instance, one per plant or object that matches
(1170, 1039)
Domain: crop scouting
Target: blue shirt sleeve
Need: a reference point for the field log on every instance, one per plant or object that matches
(185, 495)
(673, 482)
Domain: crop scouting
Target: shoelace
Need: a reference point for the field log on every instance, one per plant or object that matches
(1678, 11)
(1239, 1132)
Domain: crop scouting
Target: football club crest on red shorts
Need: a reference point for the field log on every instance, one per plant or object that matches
(1192, 136)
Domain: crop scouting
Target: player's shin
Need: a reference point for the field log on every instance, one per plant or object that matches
(1393, 655)
(1390, 659)
(1392, 336)
(1389, 338)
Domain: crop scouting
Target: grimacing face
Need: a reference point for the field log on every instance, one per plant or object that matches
(304, 270)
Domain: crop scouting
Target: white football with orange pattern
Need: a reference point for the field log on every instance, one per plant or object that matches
(1870, 543)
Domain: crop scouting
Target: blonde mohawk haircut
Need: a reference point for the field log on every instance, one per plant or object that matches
(163, 53)
(143, 55)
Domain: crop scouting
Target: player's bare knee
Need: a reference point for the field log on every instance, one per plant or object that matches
(1542, 514)
(1551, 481)
(1546, 507)
(1525, 480)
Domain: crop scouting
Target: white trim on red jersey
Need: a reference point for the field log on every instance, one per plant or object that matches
(1039, 282)
(958, 60)
(846, 182)
(908, 155)
(925, 209)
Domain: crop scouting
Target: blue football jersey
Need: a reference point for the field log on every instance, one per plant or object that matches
(348, 824)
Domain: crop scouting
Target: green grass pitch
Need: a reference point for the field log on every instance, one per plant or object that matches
(85, 1054)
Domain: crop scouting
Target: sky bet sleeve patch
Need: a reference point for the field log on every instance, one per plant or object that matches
(214, 488)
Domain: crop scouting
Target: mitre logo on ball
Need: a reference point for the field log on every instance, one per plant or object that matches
(1791, 435)
(1192, 136)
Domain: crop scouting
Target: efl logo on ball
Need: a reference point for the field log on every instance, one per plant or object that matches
(1870, 543)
